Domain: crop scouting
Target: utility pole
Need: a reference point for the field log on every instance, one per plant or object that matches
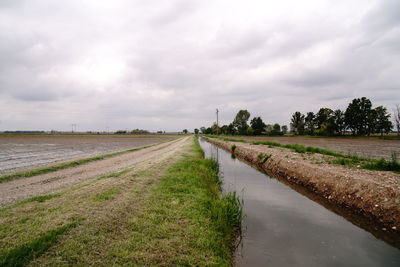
(217, 123)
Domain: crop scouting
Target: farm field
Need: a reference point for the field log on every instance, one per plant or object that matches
(18, 152)
(370, 148)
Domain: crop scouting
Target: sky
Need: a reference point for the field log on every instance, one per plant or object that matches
(167, 65)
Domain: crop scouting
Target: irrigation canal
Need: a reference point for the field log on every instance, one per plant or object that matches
(285, 226)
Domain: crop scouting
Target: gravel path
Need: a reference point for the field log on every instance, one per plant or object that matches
(50, 182)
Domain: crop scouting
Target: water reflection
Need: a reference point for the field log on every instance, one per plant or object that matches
(285, 228)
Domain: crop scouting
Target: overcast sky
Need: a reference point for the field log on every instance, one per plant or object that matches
(166, 65)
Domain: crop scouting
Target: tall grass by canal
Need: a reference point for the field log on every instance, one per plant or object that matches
(187, 206)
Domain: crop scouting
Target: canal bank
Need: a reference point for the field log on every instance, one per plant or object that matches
(285, 228)
(373, 194)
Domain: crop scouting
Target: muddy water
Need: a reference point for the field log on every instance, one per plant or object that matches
(285, 228)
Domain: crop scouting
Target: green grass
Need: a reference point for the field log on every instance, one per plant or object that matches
(383, 165)
(41, 198)
(341, 159)
(64, 165)
(22, 255)
(116, 174)
(106, 195)
(186, 220)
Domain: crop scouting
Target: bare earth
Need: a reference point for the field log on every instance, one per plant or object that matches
(55, 181)
(370, 148)
(19, 152)
(375, 194)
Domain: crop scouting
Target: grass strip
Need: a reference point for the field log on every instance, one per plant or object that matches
(186, 221)
(342, 159)
(41, 198)
(65, 165)
(22, 255)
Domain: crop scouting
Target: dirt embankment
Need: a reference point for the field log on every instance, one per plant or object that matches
(375, 194)
(364, 147)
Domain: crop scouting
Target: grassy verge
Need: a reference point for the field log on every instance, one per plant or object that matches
(341, 159)
(185, 221)
(65, 165)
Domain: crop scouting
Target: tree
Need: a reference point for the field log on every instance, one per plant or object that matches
(257, 125)
(309, 123)
(297, 123)
(339, 125)
(382, 120)
(215, 128)
(284, 129)
(240, 121)
(397, 118)
(231, 129)
(224, 129)
(185, 131)
(358, 116)
(323, 116)
(276, 129)
(196, 131)
(203, 130)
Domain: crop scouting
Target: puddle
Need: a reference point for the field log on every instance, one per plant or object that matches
(283, 227)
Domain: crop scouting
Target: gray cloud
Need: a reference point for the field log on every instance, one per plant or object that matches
(168, 65)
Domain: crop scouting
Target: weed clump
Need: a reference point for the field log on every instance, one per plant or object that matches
(262, 157)
(383, 165)
(233, 148)
(227, 213)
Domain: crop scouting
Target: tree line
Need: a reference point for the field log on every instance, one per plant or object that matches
(359, 118)
(240, 126)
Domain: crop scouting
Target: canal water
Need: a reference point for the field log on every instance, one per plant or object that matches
(285, 228)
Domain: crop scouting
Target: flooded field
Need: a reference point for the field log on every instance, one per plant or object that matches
(19, 152)
(370, 148)
(283, 227)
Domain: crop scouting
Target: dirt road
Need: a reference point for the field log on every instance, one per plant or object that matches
(13, 191)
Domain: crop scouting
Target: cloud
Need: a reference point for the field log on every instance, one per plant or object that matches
(168, 65)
